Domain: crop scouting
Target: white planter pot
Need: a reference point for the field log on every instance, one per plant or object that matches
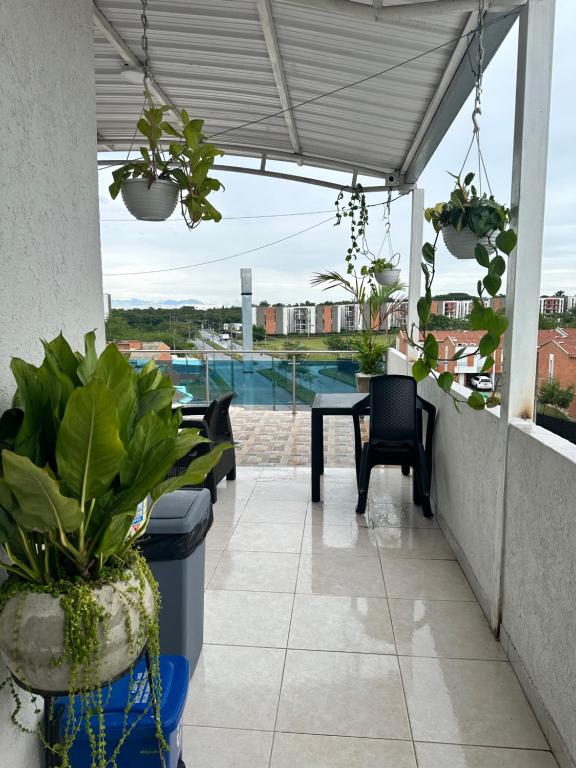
(31, 650)
(462, 244)
(363, 381)
(387, 276)
(150, 203)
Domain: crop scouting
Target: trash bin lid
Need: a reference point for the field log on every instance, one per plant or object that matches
(174, 673)
(180, 512)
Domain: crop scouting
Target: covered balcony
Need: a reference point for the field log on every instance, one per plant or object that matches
(387, 640)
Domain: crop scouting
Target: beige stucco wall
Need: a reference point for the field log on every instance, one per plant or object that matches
(50, 270)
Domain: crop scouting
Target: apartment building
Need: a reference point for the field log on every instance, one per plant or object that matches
(281, 320)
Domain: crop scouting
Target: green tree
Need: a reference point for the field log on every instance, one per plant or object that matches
(551, 393)
(337, 342)
(258, 332)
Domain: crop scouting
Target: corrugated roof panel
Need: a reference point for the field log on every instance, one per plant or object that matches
(211, 57)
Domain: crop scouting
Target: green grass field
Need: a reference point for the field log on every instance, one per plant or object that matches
(315, 344)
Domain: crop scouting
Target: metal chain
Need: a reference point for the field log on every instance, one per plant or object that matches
(144, 19)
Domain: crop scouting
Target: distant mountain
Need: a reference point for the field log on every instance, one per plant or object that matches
(146, 303)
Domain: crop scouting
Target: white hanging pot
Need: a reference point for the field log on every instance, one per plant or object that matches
(150, 202)
(32, 635)
(463, 244)
(387, 276)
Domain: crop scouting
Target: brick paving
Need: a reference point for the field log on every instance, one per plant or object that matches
(280, 438)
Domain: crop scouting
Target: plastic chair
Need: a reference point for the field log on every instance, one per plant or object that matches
(395, 437)
(216, 426)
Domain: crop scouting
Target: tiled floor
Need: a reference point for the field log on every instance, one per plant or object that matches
(340, 642)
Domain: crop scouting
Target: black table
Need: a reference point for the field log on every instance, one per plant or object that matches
(328, 405)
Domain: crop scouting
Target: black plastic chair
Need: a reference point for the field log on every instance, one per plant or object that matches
(395, 437)
(216, 426)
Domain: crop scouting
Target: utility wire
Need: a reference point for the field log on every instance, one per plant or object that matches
(222, 258)
(259, 215)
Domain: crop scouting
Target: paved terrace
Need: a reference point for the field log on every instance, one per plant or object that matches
(340, 642)
(266, 438)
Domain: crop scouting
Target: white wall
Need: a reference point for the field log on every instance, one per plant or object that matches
(50, 270)
(538, 482)
(539, 612)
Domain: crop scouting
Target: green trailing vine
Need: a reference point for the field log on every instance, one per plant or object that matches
(488, 220)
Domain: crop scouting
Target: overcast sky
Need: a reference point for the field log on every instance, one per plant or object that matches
(282, 272)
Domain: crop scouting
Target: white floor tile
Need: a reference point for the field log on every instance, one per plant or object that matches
(297, 749)
(225, 748)
(256, 571)
(266, 537)
(338, 574)
(450, 756)
(247, 618)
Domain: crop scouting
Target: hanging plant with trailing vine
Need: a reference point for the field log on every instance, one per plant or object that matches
(487, 220)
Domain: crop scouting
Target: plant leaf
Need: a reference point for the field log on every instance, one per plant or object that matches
(114, 536)
(89, 451)
(481, 255)
(488, 364)
(476, 401)
(488, 344)
(420, 370)
(194, 475)
(445, 381)
(42, 507)
(492, 284)
(88, 364)
(120, 378)
(506, 241)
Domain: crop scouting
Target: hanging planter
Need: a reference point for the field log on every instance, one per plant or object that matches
(175, 164)
(150, 200)
(462, 243)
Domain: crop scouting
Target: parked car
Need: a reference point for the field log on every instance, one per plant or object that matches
(481, 382)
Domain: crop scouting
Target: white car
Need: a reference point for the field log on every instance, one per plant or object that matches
(483, 383)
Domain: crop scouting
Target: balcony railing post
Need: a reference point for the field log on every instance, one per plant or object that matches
(415, 275)
(293, 383)
(206, 377)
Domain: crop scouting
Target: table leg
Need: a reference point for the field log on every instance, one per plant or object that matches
(317, 458)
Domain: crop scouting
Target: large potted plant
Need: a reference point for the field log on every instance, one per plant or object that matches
(370, 355)
(85, 451)
(152, 185)
(386, 272)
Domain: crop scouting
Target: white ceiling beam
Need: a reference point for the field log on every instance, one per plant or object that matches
(457, 55)
(127, 54)
(455, 94)
(390, 13)
(271, 38)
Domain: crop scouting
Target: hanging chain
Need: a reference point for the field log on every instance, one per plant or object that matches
(144, 20)
(479, 71)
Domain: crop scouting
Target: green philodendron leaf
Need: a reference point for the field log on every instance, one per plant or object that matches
(194, 475)
(445, 381)
(488, 344)
(41, 505)
(468, 179)
(497, 266)
(120, 378)
(114, 536)
(420, 370)
(150, 430)
(477, 316)
(423, 308)
(497, 325)
(428, 253)
(89, 451)
(88, 364)
(488, 364)
(7, 498)
(506, 241)
(431, 347)
(8, 528)
(32, 398)
(482, 256)
(476, 401)
(492, 284)
(64, 356)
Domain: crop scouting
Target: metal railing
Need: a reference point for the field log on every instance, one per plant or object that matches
(264, 378)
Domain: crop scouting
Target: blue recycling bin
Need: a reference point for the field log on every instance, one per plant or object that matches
(141, 747)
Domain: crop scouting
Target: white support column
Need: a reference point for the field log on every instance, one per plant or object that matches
(415, 275)
(246, 289)
(530, 158)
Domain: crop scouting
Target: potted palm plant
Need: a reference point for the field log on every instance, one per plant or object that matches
(84, 455)
(370, 355)
(151, 186)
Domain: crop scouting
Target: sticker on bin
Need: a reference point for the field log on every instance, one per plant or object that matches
(139, 518)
